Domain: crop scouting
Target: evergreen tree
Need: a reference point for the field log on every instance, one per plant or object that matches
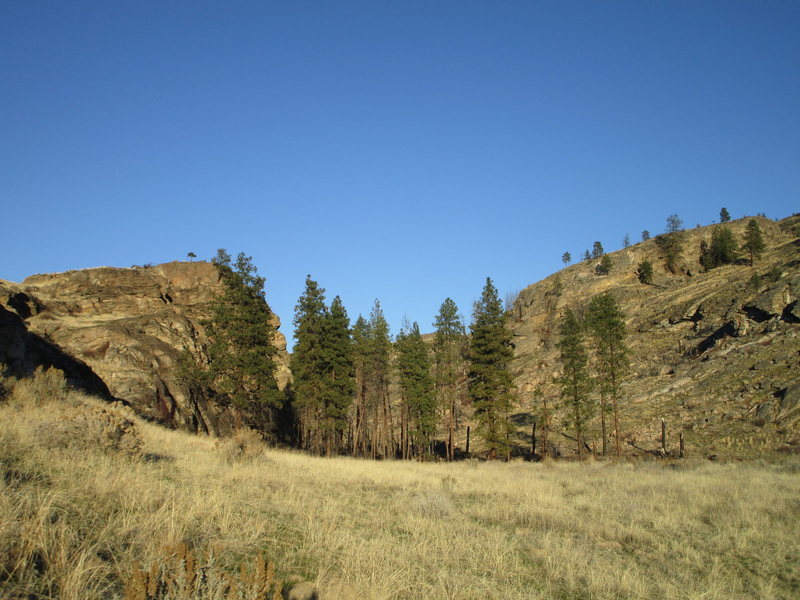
(645, 235)
(448, 365)
(566, 258)
(606, 325)
(241, 350)
(597, 250)
(339, 370)
(361, 337)
(604, 268)
(671, 243)
(645, 271)
(753, 241)
(724, 215)
(416, 386)
(587, 255)
(378, 346)
(674, 224)
(490, 381)
(722, 250)
(626, 241)
(575, 383)
(307, 363)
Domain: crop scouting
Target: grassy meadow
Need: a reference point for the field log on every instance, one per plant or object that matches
(85, 501)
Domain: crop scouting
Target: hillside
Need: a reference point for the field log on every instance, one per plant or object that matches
(715, 354)
(120, 333)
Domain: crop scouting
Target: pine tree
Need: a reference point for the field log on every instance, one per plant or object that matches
(626, 241)
(724, 215)
(339, 371)
(575, 382)
(597, 250)
(361, 336)
(645, 235)
(241, 350)
(606, 325)
(307, 363)
(671, 243)
(753, 241)
(376, 372)
(566, 258)
(490, 382)
(416, 386)
(722, 250)
(587, 255)
(605, 266)
(448, 365)
(645, 271)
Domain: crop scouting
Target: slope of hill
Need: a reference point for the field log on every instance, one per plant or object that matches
(716, 354)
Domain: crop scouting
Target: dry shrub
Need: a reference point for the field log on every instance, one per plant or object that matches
(180, 574)
(46, 385)
(244, 445)
(83, 426)
(431, 504)
(10, 548)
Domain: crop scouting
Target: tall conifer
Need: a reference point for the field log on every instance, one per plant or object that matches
(575, 382)
(416, 385)
(490, 382)
(339, 372)
(448, 365)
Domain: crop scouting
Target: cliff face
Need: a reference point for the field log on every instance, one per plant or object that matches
(120, 332)
(715, 354)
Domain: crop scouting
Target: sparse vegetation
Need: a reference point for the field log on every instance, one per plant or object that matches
(645, 272)
(91, 525)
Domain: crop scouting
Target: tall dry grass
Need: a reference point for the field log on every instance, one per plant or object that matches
(78, 521)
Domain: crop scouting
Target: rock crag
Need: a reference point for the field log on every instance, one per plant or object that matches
(120, 332)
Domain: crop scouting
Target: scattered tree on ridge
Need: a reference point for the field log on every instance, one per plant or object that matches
(671, 242)
(587, 255)
(645, 235)
(490, 381)
(604, 268)
(722, 250)
(566, 258)
(626, 241)
(645, 271)
(753, 241)
(724, 215)
(191, 256)
(597, 250)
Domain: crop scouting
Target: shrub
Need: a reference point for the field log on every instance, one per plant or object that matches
(245, 444)
(181, 575)
(82, 426)
(44, 386)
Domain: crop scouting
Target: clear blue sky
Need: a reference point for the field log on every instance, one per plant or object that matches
(395, 150)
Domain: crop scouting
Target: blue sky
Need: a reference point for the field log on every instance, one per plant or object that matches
(395, 150)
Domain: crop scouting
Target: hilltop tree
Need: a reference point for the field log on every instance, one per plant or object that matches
(606, 325)
(645, 235)
(645, 271)
(597, 250)
(339, 375)
(416, 388)
(722, 250)
(604, 268)
(575, 383)
(671, 243)
(753, 241)
(626, 241)
(724, 215)
(587, 255)
(490, 381)
(240, 366)
(566, 258)
(191, 256)
(307, 363)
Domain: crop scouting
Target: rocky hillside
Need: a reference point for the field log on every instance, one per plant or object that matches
(119, 333)
(715, 354)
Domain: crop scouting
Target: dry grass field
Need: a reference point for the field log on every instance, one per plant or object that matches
(88, 495)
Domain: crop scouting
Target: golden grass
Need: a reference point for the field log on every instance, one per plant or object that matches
(78, 522)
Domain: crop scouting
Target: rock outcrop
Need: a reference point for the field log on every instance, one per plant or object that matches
(120, 333)
(716, 353)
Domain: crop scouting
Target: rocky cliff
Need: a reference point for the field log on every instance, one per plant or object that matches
(120, 332)
(716, 354)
